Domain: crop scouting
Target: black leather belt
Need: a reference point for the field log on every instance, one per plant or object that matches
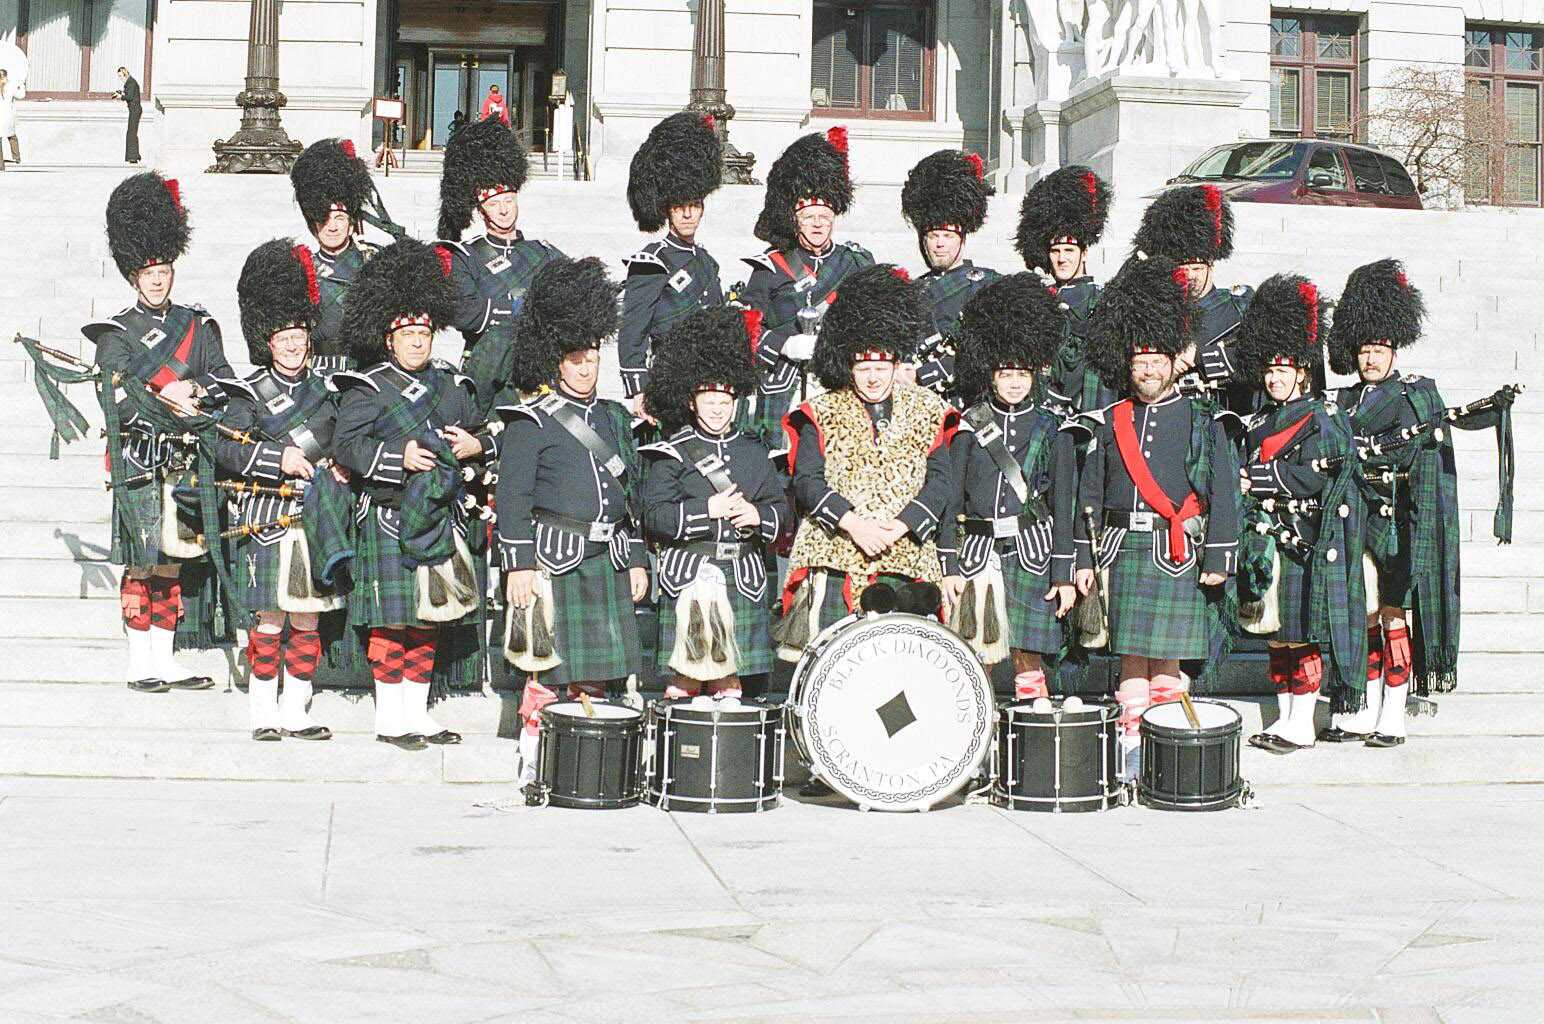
(1003, 527)
(1152, 522)
(725, 550)
(599, 533)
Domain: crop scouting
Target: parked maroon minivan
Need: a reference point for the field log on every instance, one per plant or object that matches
(1304, 171)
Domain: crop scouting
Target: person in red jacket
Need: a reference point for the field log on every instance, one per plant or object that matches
(495, 105)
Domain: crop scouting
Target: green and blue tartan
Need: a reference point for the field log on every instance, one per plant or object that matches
(752, 625)
(1032, 621)
(593, 627)
(1432, 546)
(1153, 614)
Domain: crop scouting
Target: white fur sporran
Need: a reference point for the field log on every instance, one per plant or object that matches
(1265, 616)
(447, 591)
(297, 588)
(178, 539)
(981, 615)
(528, 641)
(705, 647)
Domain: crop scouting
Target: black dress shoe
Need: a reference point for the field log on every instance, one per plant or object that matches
(267, 734)
(1381, 739)
(815, 788)
(1274, 744)
(443, 737)
(191, 683)
(310, 732)
(148, 685)
(407, 741)
(1335, 734)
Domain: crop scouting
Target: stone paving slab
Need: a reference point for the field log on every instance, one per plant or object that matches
(170, 902)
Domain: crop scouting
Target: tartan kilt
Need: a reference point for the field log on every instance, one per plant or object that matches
(1292, 600)
(1032, 621)
(1154, 614)
(752, 625)
(594, 629)
(137, 517)
(257, 565)
(385, 592)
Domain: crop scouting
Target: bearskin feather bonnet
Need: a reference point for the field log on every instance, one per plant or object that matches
(405, 280)
(1379, 304)
(277, 290)
(680, 162)
(482, 160)
(711, 348)
(877, 309)
(1014, 321)
(1192, 223)
(328, 175)
(1069, 204)
(946, 190)
(813, 167)
(146, 223)
(1146, 307)
(571, 305)
(1286, 325)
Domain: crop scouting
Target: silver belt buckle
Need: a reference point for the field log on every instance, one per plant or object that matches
(726, 549)
(601, 533)
(1142, 522)
(1007, 526)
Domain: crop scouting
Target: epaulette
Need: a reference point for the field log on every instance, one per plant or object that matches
(242, 384)
(855, 247)
(442, 364)
(447, 243)
(661, 448)
(339, 379)
(975, 274)
(763, 260)
(1412, 378)
(1240, 290)
(645, 257)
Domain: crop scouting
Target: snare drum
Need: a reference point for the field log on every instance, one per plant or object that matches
(892, 711)
(1190, 769)
(722, 755)
(1057, 760)
(590, 762)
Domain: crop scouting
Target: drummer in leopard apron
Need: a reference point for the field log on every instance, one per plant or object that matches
(572, 556)
(1162, 482)
(870, 462)
(714, 500)
(1006, 542)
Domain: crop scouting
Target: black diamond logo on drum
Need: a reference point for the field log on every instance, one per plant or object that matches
(896, 713)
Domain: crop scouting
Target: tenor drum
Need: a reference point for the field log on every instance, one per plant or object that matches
(722, 756)
(1059, 760)
(1190, 769)
(593, 763)
(892, 711)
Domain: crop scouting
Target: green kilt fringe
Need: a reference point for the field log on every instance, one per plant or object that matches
(1154, 614)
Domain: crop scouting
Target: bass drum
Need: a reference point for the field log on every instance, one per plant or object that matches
(892, 711)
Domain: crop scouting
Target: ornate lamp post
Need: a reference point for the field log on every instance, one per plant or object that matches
(261, 146)
(708, 88)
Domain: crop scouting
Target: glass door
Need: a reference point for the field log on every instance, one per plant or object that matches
(460, 82)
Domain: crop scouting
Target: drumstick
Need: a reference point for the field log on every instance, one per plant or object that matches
(589, 709)
(1190, 711)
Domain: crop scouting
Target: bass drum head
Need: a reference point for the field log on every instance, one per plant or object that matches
(792, 711)
(895, 712)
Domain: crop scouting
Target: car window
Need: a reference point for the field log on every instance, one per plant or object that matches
(1397, 177)
(1366, 172)
(1256, 160)
(1326, 160)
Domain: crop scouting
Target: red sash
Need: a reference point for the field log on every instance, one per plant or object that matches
(173, 368)
(1272, 446)
(1147, 487)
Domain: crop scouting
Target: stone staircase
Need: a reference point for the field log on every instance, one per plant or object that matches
(64, 711)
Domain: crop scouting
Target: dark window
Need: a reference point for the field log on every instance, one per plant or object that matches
(873, 60)
(1326, 160)
(1396, 176)
(1504, 71)
(1313, 76)
(1366, 172)
(1260, 161)
(75, 47)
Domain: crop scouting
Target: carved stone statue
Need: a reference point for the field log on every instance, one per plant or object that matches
(1146, 37)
